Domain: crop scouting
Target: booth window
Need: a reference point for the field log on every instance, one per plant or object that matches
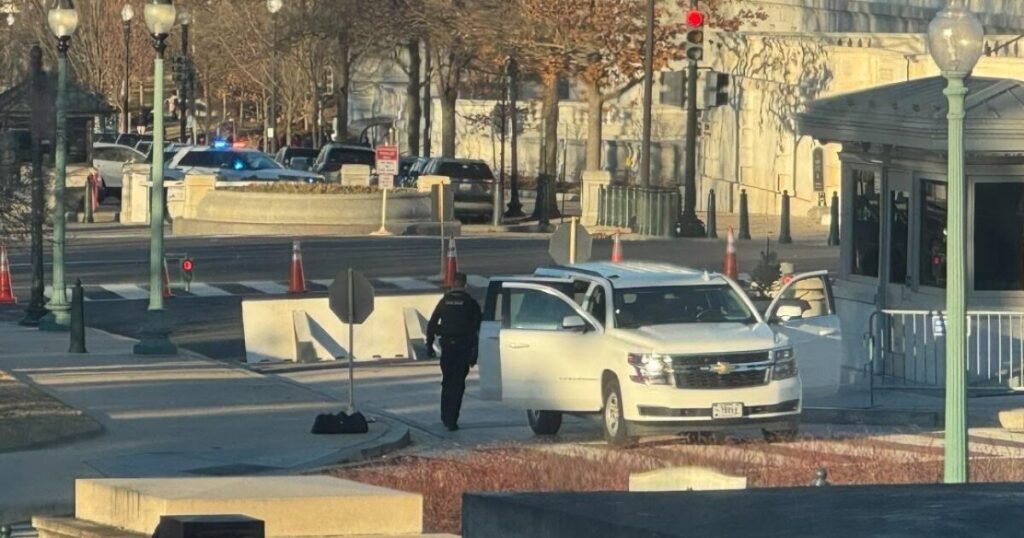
(933, 234)
(999, 237)
(866, 219)
(899, 228)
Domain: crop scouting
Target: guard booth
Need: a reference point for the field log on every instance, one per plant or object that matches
(891, 284)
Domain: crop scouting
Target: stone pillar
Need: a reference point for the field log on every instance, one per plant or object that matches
(136, 183)
(593, 180)
(196, 188)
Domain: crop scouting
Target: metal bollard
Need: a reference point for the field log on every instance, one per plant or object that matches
(744, 232)
(77, 319)
(543, 213)
(712, 219)
(820, 478)
(833, 226)
(90, 193)
(784, 236)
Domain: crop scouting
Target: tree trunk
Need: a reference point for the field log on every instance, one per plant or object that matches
(595, 113)
(549, 111)
(412, 99)
(449, 100)
(289, 119)
(341, 80)
(428, 99)
(549, 147)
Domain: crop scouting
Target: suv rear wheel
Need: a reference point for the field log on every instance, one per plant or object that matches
(616, 430)
(544, 422)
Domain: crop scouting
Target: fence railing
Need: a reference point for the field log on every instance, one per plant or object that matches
(907, 350)
(646, 211)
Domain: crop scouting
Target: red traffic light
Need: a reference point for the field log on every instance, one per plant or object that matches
(695, 18)
(187, 265)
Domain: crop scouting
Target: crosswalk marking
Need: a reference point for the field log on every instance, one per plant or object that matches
(205, 290)
(128, 291)
(408, 283)
(267, 287)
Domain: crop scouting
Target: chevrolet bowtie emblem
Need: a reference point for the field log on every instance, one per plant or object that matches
(722, 368)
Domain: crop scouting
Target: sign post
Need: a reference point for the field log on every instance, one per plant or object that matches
(387, 169)
(350, 297)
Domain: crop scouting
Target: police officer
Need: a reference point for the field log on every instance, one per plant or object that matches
(456, 320)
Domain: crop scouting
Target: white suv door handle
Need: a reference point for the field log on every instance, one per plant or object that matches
(518, 345)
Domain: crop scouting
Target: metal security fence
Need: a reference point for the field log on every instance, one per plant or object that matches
(907, 350)
(646, 211)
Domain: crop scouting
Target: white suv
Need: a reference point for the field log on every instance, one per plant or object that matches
(655, 348)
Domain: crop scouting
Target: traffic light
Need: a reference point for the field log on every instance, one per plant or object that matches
(695, 35)
(716, 89)
(673, 88)
(187, 265)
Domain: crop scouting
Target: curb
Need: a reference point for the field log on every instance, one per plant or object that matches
(395, 437)
(292, 367)
(872, 417)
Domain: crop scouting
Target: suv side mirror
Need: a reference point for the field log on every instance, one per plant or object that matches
(574, 323)
(786, 312)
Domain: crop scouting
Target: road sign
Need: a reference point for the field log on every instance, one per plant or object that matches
(387, 160)
(360, 291)
(386, 181)
(561, 241)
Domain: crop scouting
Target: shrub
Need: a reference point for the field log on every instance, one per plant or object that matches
(289, 187)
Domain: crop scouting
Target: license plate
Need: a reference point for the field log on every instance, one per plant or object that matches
(727, 410)
(466, 187)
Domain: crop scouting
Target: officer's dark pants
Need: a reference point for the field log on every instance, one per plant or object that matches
(456, 359)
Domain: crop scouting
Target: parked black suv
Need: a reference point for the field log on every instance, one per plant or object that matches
(473, 182)
(333, 156)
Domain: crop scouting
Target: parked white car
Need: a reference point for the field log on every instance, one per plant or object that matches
(654, 348)
(110, 159)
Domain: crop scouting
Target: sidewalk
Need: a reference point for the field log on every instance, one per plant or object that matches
(173, 416)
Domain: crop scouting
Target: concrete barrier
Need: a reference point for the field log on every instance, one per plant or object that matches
(289, 506)
(274, 330)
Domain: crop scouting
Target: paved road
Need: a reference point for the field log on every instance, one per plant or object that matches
(113, 264)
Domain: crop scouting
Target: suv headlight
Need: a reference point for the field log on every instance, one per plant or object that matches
(650, 368)
(783, 364)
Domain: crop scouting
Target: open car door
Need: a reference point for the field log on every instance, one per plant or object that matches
(805, 311)
(494, 313)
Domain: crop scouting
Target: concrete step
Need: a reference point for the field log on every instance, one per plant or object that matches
(290, 506)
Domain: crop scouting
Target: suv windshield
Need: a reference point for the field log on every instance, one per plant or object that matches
(464, 170)
(644, 307)
(237, 160)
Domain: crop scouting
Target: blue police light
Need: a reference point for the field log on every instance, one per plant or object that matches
(238, 165)
(221, 144)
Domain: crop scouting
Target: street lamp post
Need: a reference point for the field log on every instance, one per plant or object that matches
(63, 20)
(273, 6)
(955, 41)
(515, 207)
(127, 14)
(645, 142)
(184, 99)
(160, 17)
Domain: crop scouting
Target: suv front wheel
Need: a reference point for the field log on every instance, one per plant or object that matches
(616, 430)
(544, 422)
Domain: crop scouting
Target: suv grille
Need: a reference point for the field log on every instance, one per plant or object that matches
(735, 370)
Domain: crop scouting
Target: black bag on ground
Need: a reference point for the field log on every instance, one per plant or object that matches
(327, 423)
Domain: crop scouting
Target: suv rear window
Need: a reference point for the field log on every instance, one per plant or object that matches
(461, 170)
(350, 156)
(666, 305)
(207, 159)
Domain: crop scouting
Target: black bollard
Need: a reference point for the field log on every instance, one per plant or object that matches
(87, 205)
(820, 478)
(77, 319)
(543, 213)
(744, 217)
(784, 237)
(833, 226)
(712, 220)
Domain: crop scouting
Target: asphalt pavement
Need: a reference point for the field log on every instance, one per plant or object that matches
(113, 262)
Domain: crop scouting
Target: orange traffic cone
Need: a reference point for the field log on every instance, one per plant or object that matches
(731, 269)
(6, 290)
(297, 281)
(617, 249)
(167, 282)
(451, 265)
